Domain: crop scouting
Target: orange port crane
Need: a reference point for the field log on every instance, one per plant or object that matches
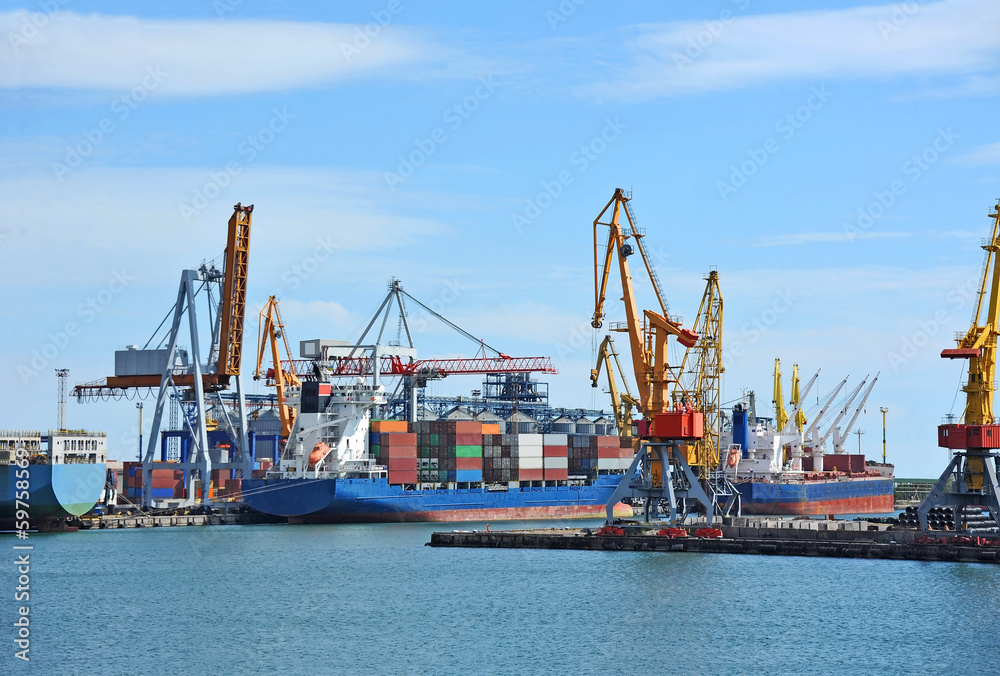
(666, 435)
(270, 330)
(229, 339)
(970, 479)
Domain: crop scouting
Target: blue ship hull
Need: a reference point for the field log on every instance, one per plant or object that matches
(856, 496)
(54, 491)
(374, 500)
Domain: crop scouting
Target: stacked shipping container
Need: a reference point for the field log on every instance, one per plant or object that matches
(450, 451)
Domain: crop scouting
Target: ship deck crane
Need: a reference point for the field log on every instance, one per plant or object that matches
(970, 478)
(622, 403)
(270, 330)
(660, 471)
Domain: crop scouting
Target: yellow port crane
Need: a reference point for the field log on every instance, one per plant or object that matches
(270, 330)
(970, 479)
(703, 389)
(660, 471)
(622, 403)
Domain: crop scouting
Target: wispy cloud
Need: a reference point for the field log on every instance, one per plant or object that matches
(987, 154)
(799, 238)
(206, 58)
(948, 37)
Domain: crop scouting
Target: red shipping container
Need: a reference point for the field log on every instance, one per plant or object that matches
(467, 427)
(164, 482)
(555, 451)
(626, 453)
(162, 473)
(399, 452)
(402, 465)
(464, 439)
(556, 474)
(403, 477)
(609, 442)
(468, 463)
(612, 453)
(530, 475)
(398, 439)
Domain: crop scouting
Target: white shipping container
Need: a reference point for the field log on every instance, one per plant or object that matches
(522, 440)
(555, 439)
(529, 452)
(556, 463)
(609, 463)
(530, 463)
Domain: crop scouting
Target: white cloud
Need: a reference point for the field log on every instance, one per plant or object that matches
(987, 154)
(797, 238)
(948, 37)
(200, 57)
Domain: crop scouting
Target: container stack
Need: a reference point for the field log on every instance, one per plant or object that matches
(582, 455)
(530, 452)
(499, 462)
(393, 446)
(555, 456)
(468, 450)
(132, 479)
(167, 484)
(614, 453)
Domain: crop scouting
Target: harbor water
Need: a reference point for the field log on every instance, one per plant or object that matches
(372, 599)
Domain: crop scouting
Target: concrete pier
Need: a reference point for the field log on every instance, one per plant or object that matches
(776, 537)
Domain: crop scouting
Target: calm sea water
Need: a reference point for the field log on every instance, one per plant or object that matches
(372, 599)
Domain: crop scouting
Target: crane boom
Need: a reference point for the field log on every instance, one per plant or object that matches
(234, 292)
(270, 329)
(647, 332)
(621, 402)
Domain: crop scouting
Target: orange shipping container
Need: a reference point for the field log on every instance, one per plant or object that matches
(491, 428)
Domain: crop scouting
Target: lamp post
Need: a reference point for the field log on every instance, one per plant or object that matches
(884, 411)
(138, 405)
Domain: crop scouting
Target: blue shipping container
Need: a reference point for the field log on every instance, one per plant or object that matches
(376, 438)
(163, 492)
(468, 475)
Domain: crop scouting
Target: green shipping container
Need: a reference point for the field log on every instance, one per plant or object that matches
(442, 475)
(375, 450)
(434, 439)
(425, 452)
(468, 451)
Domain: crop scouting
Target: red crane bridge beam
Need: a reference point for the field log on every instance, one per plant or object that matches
(394, 366)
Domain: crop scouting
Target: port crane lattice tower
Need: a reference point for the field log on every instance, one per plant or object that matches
(190, 379)
(970, 478)
(660, 471)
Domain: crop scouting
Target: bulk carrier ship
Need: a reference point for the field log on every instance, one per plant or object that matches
(781, 467)
(341, 466)
(65, 476)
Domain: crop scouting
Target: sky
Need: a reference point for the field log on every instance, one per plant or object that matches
(836, 165)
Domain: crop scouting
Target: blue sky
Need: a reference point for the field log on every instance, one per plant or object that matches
(836, 165)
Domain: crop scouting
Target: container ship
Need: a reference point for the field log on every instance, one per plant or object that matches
(786, 471)
(66, 475)
(341, 466)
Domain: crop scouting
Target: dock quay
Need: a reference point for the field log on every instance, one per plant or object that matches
(771, 537)
(168, 520)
